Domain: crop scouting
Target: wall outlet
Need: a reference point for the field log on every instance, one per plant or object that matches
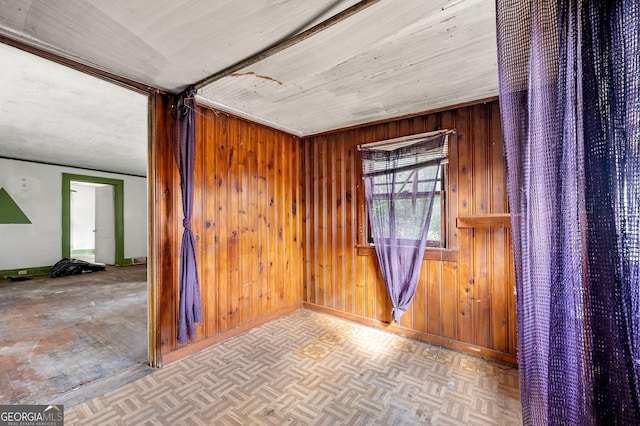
(23, 272)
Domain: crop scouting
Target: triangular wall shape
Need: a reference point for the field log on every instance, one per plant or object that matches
(9, 210)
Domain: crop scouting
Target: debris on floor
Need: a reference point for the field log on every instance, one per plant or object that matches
(67, 266)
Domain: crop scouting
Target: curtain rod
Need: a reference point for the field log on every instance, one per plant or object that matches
(406, 138)
(289, 40)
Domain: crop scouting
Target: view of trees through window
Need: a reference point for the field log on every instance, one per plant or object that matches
(412, 193)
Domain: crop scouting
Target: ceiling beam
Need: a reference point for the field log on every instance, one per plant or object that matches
(77, 65)
(294, 38)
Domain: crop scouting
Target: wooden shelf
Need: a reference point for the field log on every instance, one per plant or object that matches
(502, 220)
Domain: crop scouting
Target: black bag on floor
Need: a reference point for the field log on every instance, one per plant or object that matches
(67, 266)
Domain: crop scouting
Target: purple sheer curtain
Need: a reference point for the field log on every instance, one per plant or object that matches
(400, 185)
(184, 150)
(570, 105)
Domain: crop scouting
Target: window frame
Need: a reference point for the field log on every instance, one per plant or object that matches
(431, 244)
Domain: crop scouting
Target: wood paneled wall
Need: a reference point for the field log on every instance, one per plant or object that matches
(247, 222)
(280, 221)
(465, 297)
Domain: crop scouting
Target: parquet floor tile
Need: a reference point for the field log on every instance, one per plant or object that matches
(313, 369)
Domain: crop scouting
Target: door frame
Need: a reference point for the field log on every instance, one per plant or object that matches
(118, 203)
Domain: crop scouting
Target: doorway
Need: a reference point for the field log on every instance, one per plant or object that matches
(98, 205)
(92, 222)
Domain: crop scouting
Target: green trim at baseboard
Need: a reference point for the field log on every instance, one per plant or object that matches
(83, 251)
(30, 272)
(142, 260)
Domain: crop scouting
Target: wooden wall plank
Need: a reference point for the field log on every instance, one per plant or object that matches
(287, 205)
(433, 285)
(208, 276)
(244, 233)
(222, 229)
(320, 239)
(166, 219)
(483, 242)
(314, 219)
(253, 214)
(290, 156)
(351, 224)
(263, 229)
(279, 255)
(297, 214)
(213, 170)
(233, 223)
(449, 303)
(198, 220)
(271, 223)
(307, 201)
(339, 223)
(329, 242)
(464, 330)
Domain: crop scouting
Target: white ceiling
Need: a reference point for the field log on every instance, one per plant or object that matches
(391, 59)
(54, 114)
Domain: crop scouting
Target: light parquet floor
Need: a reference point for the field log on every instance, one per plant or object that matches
(309, 368)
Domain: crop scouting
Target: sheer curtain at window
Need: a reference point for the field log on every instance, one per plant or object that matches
(401, 182)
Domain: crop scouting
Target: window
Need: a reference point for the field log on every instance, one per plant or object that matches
(403, 185)
(423, 179)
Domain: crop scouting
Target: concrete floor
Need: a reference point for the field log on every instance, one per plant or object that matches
(66, 340)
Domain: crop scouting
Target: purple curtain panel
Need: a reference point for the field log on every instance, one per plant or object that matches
(184, 150)
(569, 78)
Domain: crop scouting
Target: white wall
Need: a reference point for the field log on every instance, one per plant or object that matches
(37, 189)
(83, 216)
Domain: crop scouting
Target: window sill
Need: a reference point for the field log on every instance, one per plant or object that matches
(429, 253)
